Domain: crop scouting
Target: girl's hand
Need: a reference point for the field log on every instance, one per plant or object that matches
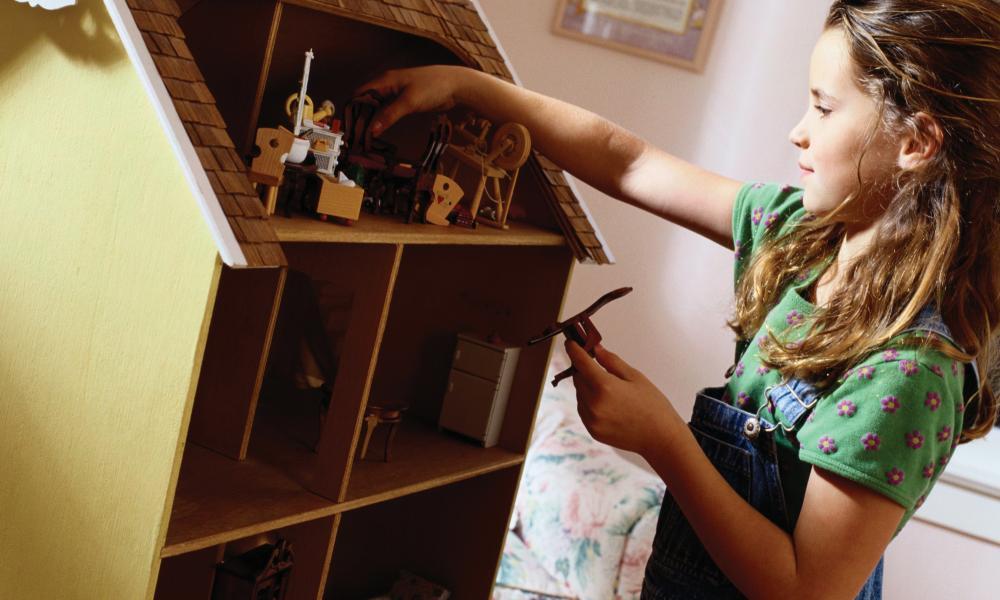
(618, 404)
(421, 89)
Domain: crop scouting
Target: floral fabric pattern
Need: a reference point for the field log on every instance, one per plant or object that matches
(584, 515)
(886, 419)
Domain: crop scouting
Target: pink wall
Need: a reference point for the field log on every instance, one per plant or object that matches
(733, 118)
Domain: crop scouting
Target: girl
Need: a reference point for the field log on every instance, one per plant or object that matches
(861, 298)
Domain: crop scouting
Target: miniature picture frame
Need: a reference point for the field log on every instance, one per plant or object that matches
(677, 32)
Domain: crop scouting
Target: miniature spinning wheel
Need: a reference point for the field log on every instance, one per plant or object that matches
(498, 167)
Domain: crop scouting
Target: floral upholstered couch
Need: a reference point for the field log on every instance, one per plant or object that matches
(584, 517)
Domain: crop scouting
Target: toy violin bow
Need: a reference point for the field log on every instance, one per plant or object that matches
(580, 329)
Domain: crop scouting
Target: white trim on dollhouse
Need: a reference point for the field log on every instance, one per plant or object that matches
(128, 31)
(569, 178)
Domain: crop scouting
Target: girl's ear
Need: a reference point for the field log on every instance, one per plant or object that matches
(920, 143)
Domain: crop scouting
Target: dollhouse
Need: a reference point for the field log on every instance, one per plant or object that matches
(184, 378)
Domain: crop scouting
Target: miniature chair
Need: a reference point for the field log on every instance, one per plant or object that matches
(375, 415)
(423, 181)
(376, 157)
(267, 167)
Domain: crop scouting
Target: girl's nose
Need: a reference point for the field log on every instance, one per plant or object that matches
(797, 135)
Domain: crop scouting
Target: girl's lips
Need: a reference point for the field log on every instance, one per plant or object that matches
(803, 171)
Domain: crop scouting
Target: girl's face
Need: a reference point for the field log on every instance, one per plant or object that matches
(831, 136)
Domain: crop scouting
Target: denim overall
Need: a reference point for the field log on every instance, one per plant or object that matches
(742, 448)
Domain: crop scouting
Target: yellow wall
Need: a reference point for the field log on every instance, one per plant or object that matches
(106, 272)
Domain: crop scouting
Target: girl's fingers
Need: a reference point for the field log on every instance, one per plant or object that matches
(613, 363)
(585, 366)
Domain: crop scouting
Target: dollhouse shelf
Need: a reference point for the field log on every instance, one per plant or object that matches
(219, 500)
(380, 229)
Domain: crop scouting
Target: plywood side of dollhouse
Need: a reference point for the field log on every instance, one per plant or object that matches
(107, 277)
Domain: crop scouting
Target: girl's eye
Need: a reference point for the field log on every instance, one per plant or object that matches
(822, 111)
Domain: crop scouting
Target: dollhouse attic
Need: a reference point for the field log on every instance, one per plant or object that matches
(146, 300)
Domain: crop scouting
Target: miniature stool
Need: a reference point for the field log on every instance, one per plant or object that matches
(376, 415)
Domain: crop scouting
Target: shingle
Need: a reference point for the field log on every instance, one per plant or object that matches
(157, 22)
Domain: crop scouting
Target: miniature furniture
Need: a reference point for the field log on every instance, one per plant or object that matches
(162, 294)
(478, 387)
(338, 200)
(376, 415)
(268, 166)
(262, 573)
(508, 150)
(580, 329)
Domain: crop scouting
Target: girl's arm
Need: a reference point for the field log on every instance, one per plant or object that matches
(594, 150)
(842, 530)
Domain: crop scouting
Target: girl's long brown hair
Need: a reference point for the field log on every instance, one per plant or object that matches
(938, 242)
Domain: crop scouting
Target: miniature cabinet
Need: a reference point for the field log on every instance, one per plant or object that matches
(478, 388)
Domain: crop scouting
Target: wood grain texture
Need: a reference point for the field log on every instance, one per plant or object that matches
(107, 272)
(381, 229)
(243, 321)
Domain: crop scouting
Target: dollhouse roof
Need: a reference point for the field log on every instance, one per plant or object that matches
(455, 24)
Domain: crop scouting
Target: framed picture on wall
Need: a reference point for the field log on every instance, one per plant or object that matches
(678, 32)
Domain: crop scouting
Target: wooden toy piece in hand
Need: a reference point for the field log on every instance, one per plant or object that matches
(580, 329)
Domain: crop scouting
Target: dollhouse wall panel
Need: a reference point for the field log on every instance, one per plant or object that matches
(107, 282)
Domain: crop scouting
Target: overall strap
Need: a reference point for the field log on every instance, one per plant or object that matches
(930, 320)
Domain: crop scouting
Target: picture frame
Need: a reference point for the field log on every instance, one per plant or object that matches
(677, 32)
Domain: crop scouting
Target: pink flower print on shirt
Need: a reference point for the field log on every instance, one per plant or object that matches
(761, 342)
(915, 439)
(960, 406)
(738, 250)
(794, 318)
(937, 370)
(757, 185)
(871, 441)
(772, 218)
(757, 215)
(933, 401)
(866, 372)
(890, 404)
(846, 408)
(908, 367)
(945, 434)
(943, 461)
(785, 188)
(742, 400)
(801, 277)
(739, 369)
(895, 476)
(920, 501)
(847, 375)
(928, 470)
(762, 370)
(827, 444)
(954, 368)
(891, 354)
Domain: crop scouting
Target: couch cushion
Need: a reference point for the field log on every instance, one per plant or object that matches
(579, 499)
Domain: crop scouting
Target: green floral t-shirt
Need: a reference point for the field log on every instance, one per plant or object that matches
(890, 423)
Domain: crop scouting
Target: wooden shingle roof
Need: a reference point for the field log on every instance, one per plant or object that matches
(454, 24)
(195, 104)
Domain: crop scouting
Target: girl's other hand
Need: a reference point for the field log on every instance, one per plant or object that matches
(420, 89)
(618, 404)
